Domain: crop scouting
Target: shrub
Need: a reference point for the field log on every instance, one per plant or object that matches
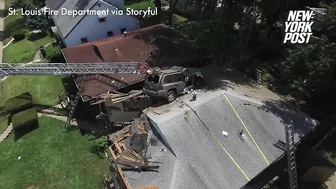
(3, 112)
(99, 147)
(54, 55)
(19, 103)
(19, 35)
(25, 118)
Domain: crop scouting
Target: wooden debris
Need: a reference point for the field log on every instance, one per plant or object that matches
(124, 179)
(128, 157)
(116, 97)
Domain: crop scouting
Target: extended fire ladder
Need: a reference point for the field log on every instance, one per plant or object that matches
(73, 104)
(7, 69)
(292, 172)
(72, 68)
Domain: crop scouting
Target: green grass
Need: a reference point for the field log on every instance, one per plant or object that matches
(11, 24)
(24, 118)
(3, 123)
(141, 5)
(50, 158)
(18, 103)
(44, 89)
(25, 50)
(9, 2)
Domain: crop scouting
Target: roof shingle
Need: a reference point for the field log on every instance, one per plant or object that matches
(158, 46)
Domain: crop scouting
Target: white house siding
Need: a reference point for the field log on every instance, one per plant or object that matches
(92, 29)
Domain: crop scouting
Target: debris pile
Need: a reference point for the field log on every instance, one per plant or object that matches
(127, 151)
(116, 97)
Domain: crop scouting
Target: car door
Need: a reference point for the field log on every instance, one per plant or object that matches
(152, 82)
(168, 82)
(179, 83)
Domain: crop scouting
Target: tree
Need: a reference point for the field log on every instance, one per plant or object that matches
(158, 5)
(312, 69)
(37, 22)
(30, 4)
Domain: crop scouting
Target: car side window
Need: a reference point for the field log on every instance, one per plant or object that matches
(168, 79)
(178, 78)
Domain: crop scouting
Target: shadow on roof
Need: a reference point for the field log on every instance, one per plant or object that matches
(290, 115)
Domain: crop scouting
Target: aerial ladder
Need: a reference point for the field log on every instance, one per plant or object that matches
(7, 69)
(290, 150)
(86, 69)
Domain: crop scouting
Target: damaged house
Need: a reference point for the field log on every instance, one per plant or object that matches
(119, 95)
(197, 144)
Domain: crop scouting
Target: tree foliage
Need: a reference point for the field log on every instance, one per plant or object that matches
(244, 28)
(30, 4)
(313, 68)
(37, 22)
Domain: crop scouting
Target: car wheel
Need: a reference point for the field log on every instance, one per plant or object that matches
(171, 96)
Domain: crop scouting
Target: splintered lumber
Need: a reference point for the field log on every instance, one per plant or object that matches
(130, 95)
(111, 96)
(108, 96)
(114, 156)
(124, 179)
(134, 160)
(134, 153)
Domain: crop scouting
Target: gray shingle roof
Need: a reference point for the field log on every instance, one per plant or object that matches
(66, 23)
(200, 161)
(54, 4)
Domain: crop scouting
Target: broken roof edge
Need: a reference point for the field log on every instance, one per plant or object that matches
(95, 97)
(156, 131)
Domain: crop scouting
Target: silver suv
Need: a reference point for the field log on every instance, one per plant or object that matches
(165, 83)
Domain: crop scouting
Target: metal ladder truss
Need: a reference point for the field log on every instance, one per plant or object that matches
(292, 172)
(73, 104)
(7, 69)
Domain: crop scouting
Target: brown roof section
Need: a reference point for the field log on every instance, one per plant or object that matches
(156, 45)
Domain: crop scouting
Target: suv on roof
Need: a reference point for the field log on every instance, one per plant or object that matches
(165, 83)
(170, 83)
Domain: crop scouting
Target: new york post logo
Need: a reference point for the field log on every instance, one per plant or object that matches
(298, 26)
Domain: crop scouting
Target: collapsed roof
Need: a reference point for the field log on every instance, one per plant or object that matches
(198, 155)
(157, 46)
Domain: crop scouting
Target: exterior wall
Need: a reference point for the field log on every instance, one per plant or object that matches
(116, 112)
(92, 29)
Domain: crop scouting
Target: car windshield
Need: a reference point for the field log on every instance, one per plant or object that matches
(153, 78)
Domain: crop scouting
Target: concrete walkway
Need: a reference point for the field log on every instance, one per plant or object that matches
(6, 133)
(38, 56)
